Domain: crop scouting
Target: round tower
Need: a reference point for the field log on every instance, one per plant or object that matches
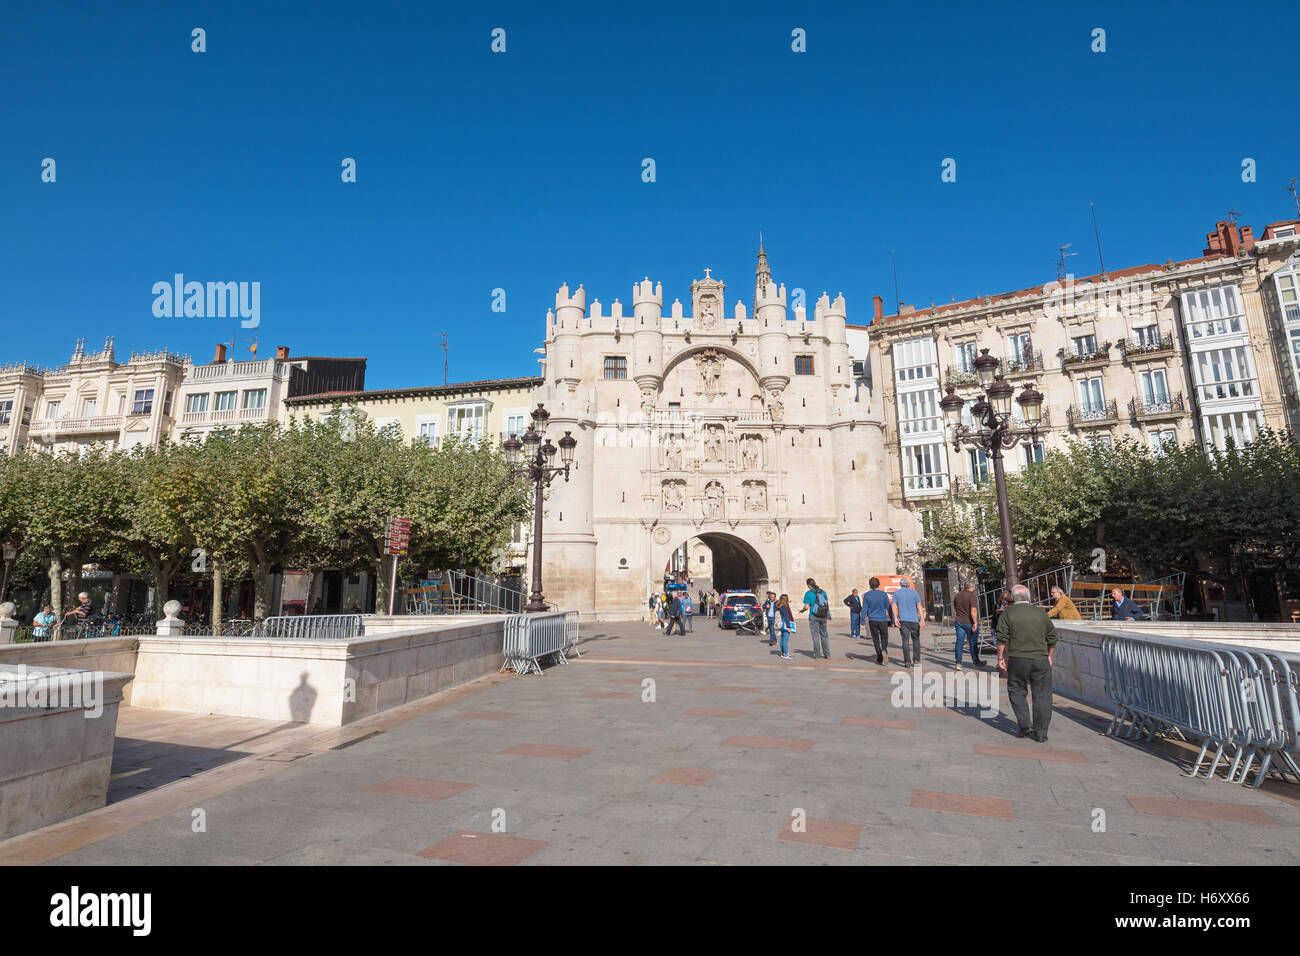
(831, 318)
(647, 337)
(565, 364)
(773, 337)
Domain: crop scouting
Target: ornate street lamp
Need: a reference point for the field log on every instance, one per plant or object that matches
(10, 552)
(530, 458)
(992, 431)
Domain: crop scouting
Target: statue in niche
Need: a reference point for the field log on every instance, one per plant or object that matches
(674, 496)
(751, 453)
(713, 500)
(708, 317)
(708, 365)
(673, 453)
(755, 496)
(713, 443)
(775, 408)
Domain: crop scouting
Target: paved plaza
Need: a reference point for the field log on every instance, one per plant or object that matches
(741, 758)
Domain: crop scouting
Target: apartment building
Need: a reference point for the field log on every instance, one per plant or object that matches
(1195, 350)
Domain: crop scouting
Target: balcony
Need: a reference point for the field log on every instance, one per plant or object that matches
(960, 376)
(228, 370)
(742, 416)
(1028, 363)
(1171, 407)
(1136, 350)
(96, 424)
(1078, 362)
(1092, 416)
(920, 486)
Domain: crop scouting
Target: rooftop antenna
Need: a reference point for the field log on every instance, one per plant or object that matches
(1060, 262)
(1232, 216)
(234, 338)
(898, 302)
(1100, 260)
(1294, 198)
(445, 352)
(253, 348)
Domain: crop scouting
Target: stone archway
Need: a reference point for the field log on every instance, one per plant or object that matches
(736, 565)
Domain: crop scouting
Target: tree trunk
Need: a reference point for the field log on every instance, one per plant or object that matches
(56, 587)
(216, 596)
(382, 571)
(261, 590)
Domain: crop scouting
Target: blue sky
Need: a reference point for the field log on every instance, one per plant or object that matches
(522, 170)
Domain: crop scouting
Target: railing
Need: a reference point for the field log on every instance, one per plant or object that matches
(1173, 405)
(1090, 414)
(95, 423)
(1085, 359)
(1027, 363)
(531, 637)
(1136, 347)
(1040, 592)
(1242, 701)
(460, 593)
(743, 416)
(227, 370)
(312, 627)
(960, 376)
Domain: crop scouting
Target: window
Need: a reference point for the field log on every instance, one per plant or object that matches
(964, 357)
(255, 398)
(1284, 232)
(1033, 454)
(859, 368)
(1288, 293)
(978, 461)
(1211, 312)
(918, 412)
(1295, 349)
(1019, 347)
(1223, 373)
(1085, 346)
(143, 403)
(1092, 397)
(616, 366)
(1100, 443)
(929, 522)
(167, 402)
(1162, 437)
(803, 365)
(516, 424)
(465, 421)
(196, 403)
(1147, 336)
(51, 410)
(88, 408)
(1239, 427)
(6, 411)
(923, 467)
(914, 359)
(225, 401)
(428, 432)
(1155, 389)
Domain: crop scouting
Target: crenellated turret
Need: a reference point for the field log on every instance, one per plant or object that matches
(648, 340)
(831, 319)
(570, 310)
(773, 336)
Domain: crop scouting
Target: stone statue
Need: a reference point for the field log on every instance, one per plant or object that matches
(749, 453)
(776, 409)
(708, 365)
(755, 496)
(673, 453)
(713, 500)
(674, 496)
(713, 443)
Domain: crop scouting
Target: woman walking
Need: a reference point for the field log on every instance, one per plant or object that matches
(787, 624)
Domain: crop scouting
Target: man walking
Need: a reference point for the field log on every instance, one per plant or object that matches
(1124, 608)
(773, 617)
(907, 618)
(1063, 609)
(1026, 640)
(819, 612)
(688, 609)
(675, 616)
(876, 606)
(965, 609)
(854, 604)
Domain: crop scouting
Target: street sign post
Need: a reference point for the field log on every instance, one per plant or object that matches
(397, 542)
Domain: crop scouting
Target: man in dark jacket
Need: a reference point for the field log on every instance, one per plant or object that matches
(854, 604)
(1124, 608)
(1026, 639)
(675, 615)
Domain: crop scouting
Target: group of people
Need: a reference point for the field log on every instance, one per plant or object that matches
(675, 608)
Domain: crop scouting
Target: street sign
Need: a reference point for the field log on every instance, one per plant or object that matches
(397, 536)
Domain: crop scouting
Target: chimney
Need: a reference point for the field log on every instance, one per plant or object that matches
(282, 353)
(879, 304)
(220, 356)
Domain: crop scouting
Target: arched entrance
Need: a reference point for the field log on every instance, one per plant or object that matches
(718, 561)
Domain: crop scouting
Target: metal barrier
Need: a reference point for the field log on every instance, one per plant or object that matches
(312, 627)
(531, 637)
(572, 623)
(1240, 700)
(459, 593)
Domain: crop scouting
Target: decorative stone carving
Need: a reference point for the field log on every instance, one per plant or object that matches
(708, 365)
(674, 496)
(171, 609)
(775, 408)
(755, 496)
(713, 443)
(713, 500)
(768, 535)
(751, 453)
(673, 450)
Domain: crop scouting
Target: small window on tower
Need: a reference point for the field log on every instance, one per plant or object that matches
(615, 366)
(803, 365)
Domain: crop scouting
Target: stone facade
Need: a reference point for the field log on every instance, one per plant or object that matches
(746, 432)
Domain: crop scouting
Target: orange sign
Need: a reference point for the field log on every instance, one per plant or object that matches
(889, 583)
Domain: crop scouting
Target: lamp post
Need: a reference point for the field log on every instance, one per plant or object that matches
(10, 552)
(992, 432)
(535, 465)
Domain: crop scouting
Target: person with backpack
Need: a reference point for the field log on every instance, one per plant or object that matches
(819, 613)
(786, 617)
(688, 610)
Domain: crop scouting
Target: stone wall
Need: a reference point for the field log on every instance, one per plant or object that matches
(116, 654)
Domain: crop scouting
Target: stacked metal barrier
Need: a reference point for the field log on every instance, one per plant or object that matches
(1242, 701)
(531, 637)
(572, 622)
